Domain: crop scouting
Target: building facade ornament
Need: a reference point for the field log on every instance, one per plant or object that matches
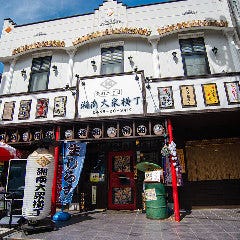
(43, 44)
(123, 30)
(191, 24)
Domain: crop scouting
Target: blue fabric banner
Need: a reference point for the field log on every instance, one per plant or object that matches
(73, 160)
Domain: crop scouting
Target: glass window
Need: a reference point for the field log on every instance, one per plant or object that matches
(112, 60)
(39, 73)
(194, 57)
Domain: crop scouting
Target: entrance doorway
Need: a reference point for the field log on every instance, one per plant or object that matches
(122, 188)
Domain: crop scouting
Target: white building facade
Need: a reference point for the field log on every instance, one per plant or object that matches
(113, 77)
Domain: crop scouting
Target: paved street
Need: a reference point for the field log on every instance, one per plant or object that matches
(222, 224)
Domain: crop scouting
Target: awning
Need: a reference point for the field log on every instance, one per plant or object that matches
(7, 152)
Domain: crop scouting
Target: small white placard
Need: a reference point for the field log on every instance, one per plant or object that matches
(153, 176)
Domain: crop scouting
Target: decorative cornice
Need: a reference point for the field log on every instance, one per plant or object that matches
(126, 30)
(43, 44)
(191, 24)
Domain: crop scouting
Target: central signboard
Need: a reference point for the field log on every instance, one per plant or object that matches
(110, 96)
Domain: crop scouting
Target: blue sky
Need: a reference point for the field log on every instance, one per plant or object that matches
(28, 11)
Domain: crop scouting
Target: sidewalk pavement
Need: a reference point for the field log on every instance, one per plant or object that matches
(201, 224)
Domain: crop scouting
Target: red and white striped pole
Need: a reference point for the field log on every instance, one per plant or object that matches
(174, 176)
(54, 185)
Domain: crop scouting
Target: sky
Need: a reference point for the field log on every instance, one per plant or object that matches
(28, 11)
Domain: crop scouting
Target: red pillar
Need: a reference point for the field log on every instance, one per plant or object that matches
(54, 185)
(174, 177)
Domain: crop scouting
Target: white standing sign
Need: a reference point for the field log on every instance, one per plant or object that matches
(38, 185)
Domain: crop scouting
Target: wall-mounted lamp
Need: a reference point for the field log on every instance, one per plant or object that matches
(174, 54)
(93, 63)
(67, 88)
(130, 58)
(147, 80)
(214, 50)
(23, 72)
(54, 67)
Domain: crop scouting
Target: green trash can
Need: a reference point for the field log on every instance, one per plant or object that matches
(156, 204)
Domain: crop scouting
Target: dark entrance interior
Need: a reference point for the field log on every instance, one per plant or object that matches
(220, 130)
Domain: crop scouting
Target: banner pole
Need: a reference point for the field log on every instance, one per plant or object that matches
(56, 160)
(174, 176)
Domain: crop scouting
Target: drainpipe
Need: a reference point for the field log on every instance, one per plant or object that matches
(174, 176)
(54, 185)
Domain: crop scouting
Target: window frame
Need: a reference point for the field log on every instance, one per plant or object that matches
(194, 53)
(122, 60)
(39, 71)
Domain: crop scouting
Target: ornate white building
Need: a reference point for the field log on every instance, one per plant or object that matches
(113, 77)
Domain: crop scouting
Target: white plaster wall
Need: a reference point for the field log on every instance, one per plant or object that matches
(138, 48)
(168, 67)
(221, 62)
(58, 80)
(152, 16)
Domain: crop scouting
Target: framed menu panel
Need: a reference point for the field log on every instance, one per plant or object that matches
(165, 97)
(188, 96)
(233, 92)
(210, 94)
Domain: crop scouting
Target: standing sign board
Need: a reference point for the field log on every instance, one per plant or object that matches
(38, 185)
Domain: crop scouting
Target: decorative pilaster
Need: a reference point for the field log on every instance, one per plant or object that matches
(156, 66)
(234, 53)
(71, 54)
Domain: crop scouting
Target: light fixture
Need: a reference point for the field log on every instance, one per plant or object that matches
(67, 88)
(148, 85)
(54, 67)
(174, 54)
(214, 50)
(93, 63)
(130, 58)
(23, 72)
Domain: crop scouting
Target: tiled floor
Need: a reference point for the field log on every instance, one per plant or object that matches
(204, 224)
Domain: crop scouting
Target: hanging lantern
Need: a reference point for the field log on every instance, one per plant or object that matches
(158, 129)
(14, 137)
(82, 133)
(69, 134)
(27, 136)
(141, 130)
(3, 137)
(49, 135)
(97, 132)
(38, 135)
(112, 132)
(127, 131)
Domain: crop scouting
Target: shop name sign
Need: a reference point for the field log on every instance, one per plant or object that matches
(109, 96)
(110, 22)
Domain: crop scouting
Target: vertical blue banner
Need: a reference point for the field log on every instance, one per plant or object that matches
(73, 160)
